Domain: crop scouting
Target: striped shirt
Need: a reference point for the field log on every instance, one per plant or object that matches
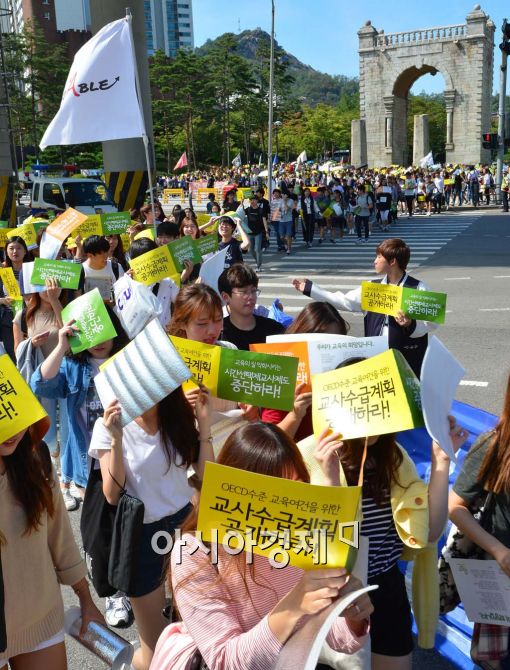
(228, 618)
(385, 545)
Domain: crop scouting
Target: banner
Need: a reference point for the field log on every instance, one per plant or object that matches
(92, 321)
(99, 101)
(143, 373)
(63, 225)
(325, 352)
(288, 521)
(484, 590)
(67, 274)
(115, 223)
(27, 232)
(208, 244)
(19, 408)
(184, 249)
(262, 380)
(390, 299)
(155, 265)
(377, 396)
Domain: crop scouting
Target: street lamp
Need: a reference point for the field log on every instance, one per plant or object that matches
(277, 125)
(505, 50)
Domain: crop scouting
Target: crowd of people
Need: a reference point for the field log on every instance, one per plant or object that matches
(228, 615)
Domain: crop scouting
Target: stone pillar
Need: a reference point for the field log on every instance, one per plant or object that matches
(128, 154)
(358, 142)
(421, 145)
(449, 98)
(388, 127)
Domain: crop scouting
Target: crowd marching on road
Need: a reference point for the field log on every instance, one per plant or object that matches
(225, 613)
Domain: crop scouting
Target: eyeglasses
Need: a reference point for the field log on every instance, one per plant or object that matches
(247, 294)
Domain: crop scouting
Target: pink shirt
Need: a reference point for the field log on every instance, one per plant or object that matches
(228, 621)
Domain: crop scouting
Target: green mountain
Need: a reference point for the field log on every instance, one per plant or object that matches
(310, 87)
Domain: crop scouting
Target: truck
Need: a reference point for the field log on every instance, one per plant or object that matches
(89, 196)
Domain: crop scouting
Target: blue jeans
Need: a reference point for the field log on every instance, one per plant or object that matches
(55, 407)
(275, 225)
(256, 247)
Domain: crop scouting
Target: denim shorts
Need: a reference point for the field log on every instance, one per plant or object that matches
(285, 228)
(151, 565)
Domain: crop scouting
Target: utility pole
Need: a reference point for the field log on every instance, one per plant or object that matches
(505, 49)
(270, 102)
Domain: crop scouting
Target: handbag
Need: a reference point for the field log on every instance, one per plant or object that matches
(125, 543)
(96, 525)
(459, 546)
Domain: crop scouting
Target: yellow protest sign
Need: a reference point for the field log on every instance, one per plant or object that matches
(19, 408)
(27, 232)
(377, 396)
(3, 236)
(126, 242)
(153, 266)
(10, 284)
(381, 298)
(203, 360)
(91, 226)
(290, 522)
(148, 232)
(64, 224)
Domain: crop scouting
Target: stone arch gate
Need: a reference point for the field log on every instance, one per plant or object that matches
(389, 66)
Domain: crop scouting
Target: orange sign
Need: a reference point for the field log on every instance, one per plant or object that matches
(64, 224)
(295, 349)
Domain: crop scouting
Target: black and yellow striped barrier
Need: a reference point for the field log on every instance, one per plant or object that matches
(7, 200)
(127, 188)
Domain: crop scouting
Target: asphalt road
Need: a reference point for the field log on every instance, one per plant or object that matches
(465, 254)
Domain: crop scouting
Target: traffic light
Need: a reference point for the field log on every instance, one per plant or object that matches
(490, 140)
(505, 44)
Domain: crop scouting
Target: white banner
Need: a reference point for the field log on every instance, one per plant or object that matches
(100, 101)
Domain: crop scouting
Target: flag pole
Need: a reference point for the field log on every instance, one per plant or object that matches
(129, 19)
(270, 115)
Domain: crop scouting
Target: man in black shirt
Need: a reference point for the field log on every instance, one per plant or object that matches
(238, 287)
(255, 232)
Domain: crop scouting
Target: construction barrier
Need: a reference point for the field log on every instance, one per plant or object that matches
(7, 200)
(128, 189)
(172, 193)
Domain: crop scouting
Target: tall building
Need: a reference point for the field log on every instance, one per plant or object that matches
(168, 25)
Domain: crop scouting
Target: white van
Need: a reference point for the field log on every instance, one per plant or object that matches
(89, 196)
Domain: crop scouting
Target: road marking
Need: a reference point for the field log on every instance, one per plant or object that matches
(455, 278)
(501, 277)
(494, 309)
(467, 382)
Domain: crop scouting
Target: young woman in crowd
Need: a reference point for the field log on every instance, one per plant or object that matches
(309, 214)
(150, 457)
(116, 252)
(230, 204)
(239, 616)
(40, 322)
(226, 230)
(16, 253)
(399, 511)
(38, 554)
(485, 470)
(316, 317)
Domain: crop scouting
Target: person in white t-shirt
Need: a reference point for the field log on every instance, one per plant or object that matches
(99, 271)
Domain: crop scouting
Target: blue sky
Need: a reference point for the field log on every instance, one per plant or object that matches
(323, 33)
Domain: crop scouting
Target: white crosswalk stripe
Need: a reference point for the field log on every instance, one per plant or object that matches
(343, 266)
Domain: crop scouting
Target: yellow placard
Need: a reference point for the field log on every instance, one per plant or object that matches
(449, 182)
(153, 266)
(91, 226)
(3, 236)
(126, 242)
(289, 522)
(10, 284)
(381, 298)
(377, 396)
(64, 224)
(27, 232)
(203, 360)
(148, 232)
(19, 408)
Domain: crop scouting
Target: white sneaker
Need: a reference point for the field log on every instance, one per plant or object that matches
(69, 500)
(118, 612)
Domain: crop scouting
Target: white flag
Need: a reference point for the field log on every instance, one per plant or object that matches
(302, 158)
(100, 101)
(237, 161)
(427, 160)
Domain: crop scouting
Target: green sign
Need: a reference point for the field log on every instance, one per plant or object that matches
(92, 321)
(4, 224)
(424, 305)
(67, 274)
(115, 223)
(184, 249)
(207, 244)
(263, 380)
